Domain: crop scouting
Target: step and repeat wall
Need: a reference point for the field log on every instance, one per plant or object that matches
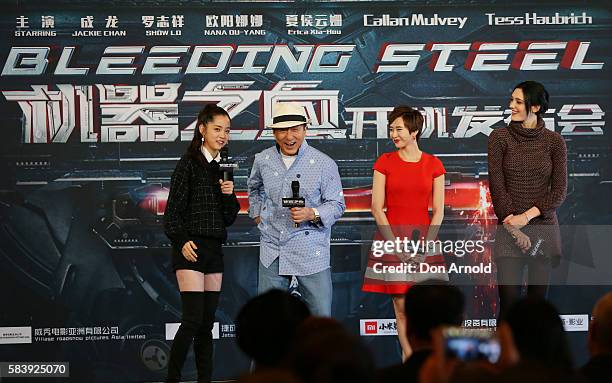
(99, 102)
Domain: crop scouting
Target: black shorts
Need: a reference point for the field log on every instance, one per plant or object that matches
(210, 257)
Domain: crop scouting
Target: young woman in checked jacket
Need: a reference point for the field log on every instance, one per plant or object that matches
(200, 206)
(528, 182)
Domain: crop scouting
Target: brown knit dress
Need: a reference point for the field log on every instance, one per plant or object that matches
(527, 167)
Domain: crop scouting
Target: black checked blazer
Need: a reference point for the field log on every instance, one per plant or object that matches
(196, 206)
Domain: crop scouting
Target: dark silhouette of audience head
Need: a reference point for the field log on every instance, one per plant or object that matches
(326, 353)
(427, 305)
(539, 334)
(277, 331)
(321, 326)
(266, 326)
(431, 304)
(600, 331)
(599, 366)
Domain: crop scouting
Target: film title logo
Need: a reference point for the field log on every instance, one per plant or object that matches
(302, 58)
(130, 113)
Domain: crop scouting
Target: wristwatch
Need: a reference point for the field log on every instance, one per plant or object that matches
(317, 217)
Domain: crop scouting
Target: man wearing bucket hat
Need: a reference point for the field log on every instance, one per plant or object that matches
(295, 241)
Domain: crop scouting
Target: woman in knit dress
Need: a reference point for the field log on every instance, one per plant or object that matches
(528, 182)
(406, 181)
(200, 206)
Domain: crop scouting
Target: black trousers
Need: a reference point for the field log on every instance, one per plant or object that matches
(510, 279)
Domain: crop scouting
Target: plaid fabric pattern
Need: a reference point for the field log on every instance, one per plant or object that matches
(196, 206)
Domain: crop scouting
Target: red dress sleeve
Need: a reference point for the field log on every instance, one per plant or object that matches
(382, 164)
(438, 167)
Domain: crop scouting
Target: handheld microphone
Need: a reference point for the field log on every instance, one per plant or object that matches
(415, 237)
(227, 166)
(295, 200)
(295, 189)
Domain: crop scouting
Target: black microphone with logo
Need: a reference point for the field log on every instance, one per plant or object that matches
(537, 249)
(416, 237)
(227, 166)
(295, 200)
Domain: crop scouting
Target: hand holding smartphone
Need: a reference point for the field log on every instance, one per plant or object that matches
(471, 344)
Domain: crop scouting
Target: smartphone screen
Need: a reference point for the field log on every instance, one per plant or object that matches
(471, 344)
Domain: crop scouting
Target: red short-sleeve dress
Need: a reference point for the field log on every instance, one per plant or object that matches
(408, 193)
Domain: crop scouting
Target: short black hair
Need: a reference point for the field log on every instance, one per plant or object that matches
(430, 304)
(266, 326)
(535, 95)
(412, 118)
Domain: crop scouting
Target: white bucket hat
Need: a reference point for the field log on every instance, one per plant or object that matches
(288, 114)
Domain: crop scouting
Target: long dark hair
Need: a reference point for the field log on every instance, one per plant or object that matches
(206, 115)
(535, 94)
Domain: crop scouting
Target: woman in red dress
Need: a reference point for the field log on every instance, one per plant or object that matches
(405, 181)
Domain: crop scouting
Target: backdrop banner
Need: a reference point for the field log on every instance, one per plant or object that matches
(98, 103)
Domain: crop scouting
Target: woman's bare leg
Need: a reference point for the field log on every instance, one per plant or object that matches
(190, 280)
(400, 317)
(212, 282)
